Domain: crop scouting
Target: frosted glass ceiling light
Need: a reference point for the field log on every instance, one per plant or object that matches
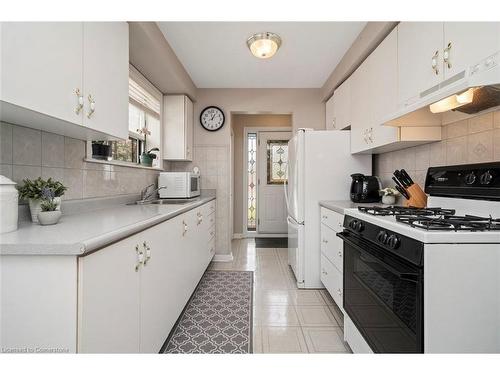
(264, 45)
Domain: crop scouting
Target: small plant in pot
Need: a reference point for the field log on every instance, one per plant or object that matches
(33, 190)
(101, 150)
(389, 195)
(147, 157)
(49, 213)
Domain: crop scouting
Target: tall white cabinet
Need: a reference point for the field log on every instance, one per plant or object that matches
(178, 123)
(66, 77)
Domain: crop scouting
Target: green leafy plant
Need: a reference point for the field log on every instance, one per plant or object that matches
(34, 189)
(48, 205)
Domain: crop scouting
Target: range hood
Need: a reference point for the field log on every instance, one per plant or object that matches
(473, 90)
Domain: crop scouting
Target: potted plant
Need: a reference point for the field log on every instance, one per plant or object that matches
(49, 213)
(147, 157)
(389, 195)
(101, 150)
(32, 190)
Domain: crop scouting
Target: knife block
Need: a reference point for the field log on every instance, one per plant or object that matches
(417, 197)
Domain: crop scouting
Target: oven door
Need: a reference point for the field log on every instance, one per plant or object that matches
(383, 296)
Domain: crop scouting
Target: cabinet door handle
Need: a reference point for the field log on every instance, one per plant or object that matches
(185, 228)
(325, 241)
(148, 252)
(79, 104)
(140, 257)
(212, 233)
(333, 123)
(91, 106)
(324, 272)
(434, 62)
(446, 55)
(325, 217)
(340, 254)
(339, 291)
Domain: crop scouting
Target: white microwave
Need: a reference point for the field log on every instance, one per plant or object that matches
(178, 185)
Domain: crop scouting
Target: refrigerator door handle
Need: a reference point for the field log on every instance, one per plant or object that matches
(285, 187)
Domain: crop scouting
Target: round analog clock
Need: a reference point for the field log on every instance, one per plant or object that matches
(212, 118)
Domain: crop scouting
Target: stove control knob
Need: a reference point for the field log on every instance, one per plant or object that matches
(470, 178)
(382, 236)
(393, 241)
(486, 178)
(356, 225)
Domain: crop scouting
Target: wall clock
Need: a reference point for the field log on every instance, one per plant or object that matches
(212, 118)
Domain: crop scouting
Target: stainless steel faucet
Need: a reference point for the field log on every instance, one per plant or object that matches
(149, 192)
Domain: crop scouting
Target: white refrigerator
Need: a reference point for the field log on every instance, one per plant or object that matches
(319, 168)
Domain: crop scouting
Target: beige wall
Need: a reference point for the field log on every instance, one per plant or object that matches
(239, 123)
(31, 153)
(475, 140)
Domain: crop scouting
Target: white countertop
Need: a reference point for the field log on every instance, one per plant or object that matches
(342, 206)
(81, 233)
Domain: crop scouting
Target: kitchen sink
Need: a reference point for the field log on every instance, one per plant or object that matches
(164, 201)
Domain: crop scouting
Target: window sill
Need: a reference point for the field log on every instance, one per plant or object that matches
(121, 164)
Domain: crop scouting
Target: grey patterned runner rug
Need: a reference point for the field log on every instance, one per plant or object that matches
(218, 317)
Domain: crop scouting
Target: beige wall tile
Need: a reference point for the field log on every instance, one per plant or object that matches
(74, 153)
(456, 150)
(73, 180)
(404, 159)
(20, 172)
(54, 173)
(6, 170)
(496, 119)
(496, 144)
(480, 147)
(27, 146)
(94, 183)
(5, 143)
(456, 129)
(422, 157)
(481, 123)
(52, 150)
(437, 154)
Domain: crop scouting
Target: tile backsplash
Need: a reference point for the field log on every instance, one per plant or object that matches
(475, 140)
(30, 153)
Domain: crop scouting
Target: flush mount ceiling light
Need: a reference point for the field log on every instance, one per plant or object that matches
(453, 101)
(264, 45)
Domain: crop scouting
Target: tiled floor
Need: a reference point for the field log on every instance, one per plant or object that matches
(286, 319)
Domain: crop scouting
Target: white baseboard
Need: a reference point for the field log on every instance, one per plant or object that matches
(223, 258)
(265, 235)
(238, 236)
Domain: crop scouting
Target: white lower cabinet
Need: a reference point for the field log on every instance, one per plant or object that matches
(131, 293)
(332, 255)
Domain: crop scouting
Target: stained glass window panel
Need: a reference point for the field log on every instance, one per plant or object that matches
(252, 181)
(277, 161)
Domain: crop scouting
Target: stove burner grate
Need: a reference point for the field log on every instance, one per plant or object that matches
(451, 223)
(399, 210)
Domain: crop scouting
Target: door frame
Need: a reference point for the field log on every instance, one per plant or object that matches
(246, 130)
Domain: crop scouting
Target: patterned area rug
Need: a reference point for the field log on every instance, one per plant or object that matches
(218, 317)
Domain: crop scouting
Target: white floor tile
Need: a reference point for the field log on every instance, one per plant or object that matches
(320, 316)
(283, 340)
(324, 340)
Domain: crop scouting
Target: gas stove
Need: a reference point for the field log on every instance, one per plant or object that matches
(404, 266)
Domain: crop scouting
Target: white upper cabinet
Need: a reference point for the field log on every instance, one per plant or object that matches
(420, 57)
(360, 109)
(467, 43)
(343, 105)
(105, 77)
(330, 113)
(178, 122)
(68, 78)
(42, 67)
(383, 89)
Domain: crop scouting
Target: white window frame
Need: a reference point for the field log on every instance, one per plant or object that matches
(147, 85)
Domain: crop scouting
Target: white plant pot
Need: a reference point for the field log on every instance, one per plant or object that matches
(35, 208)
(49, 217)
(388, 199)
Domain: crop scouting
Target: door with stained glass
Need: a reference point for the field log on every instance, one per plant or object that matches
(272, 175)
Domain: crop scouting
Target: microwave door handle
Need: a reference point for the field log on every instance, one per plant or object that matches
(406, 276)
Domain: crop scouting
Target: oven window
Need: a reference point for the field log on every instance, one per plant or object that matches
(194, 184)
(383, 299)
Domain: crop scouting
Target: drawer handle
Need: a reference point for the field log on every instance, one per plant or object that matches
(339, 291)
(325, 217)
(340, 254)
(325, 241)
(212, 233)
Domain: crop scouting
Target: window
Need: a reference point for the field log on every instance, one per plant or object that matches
(277, 161)
(252, 181)
(144, 124)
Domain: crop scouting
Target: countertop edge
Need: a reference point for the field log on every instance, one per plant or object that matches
(94, 244)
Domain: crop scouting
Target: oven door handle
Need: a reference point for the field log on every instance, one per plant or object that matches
(406, 276)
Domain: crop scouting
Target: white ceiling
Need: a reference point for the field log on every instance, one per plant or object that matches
(215, 54)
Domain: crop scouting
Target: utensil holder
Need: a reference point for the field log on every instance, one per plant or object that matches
(417, 197)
